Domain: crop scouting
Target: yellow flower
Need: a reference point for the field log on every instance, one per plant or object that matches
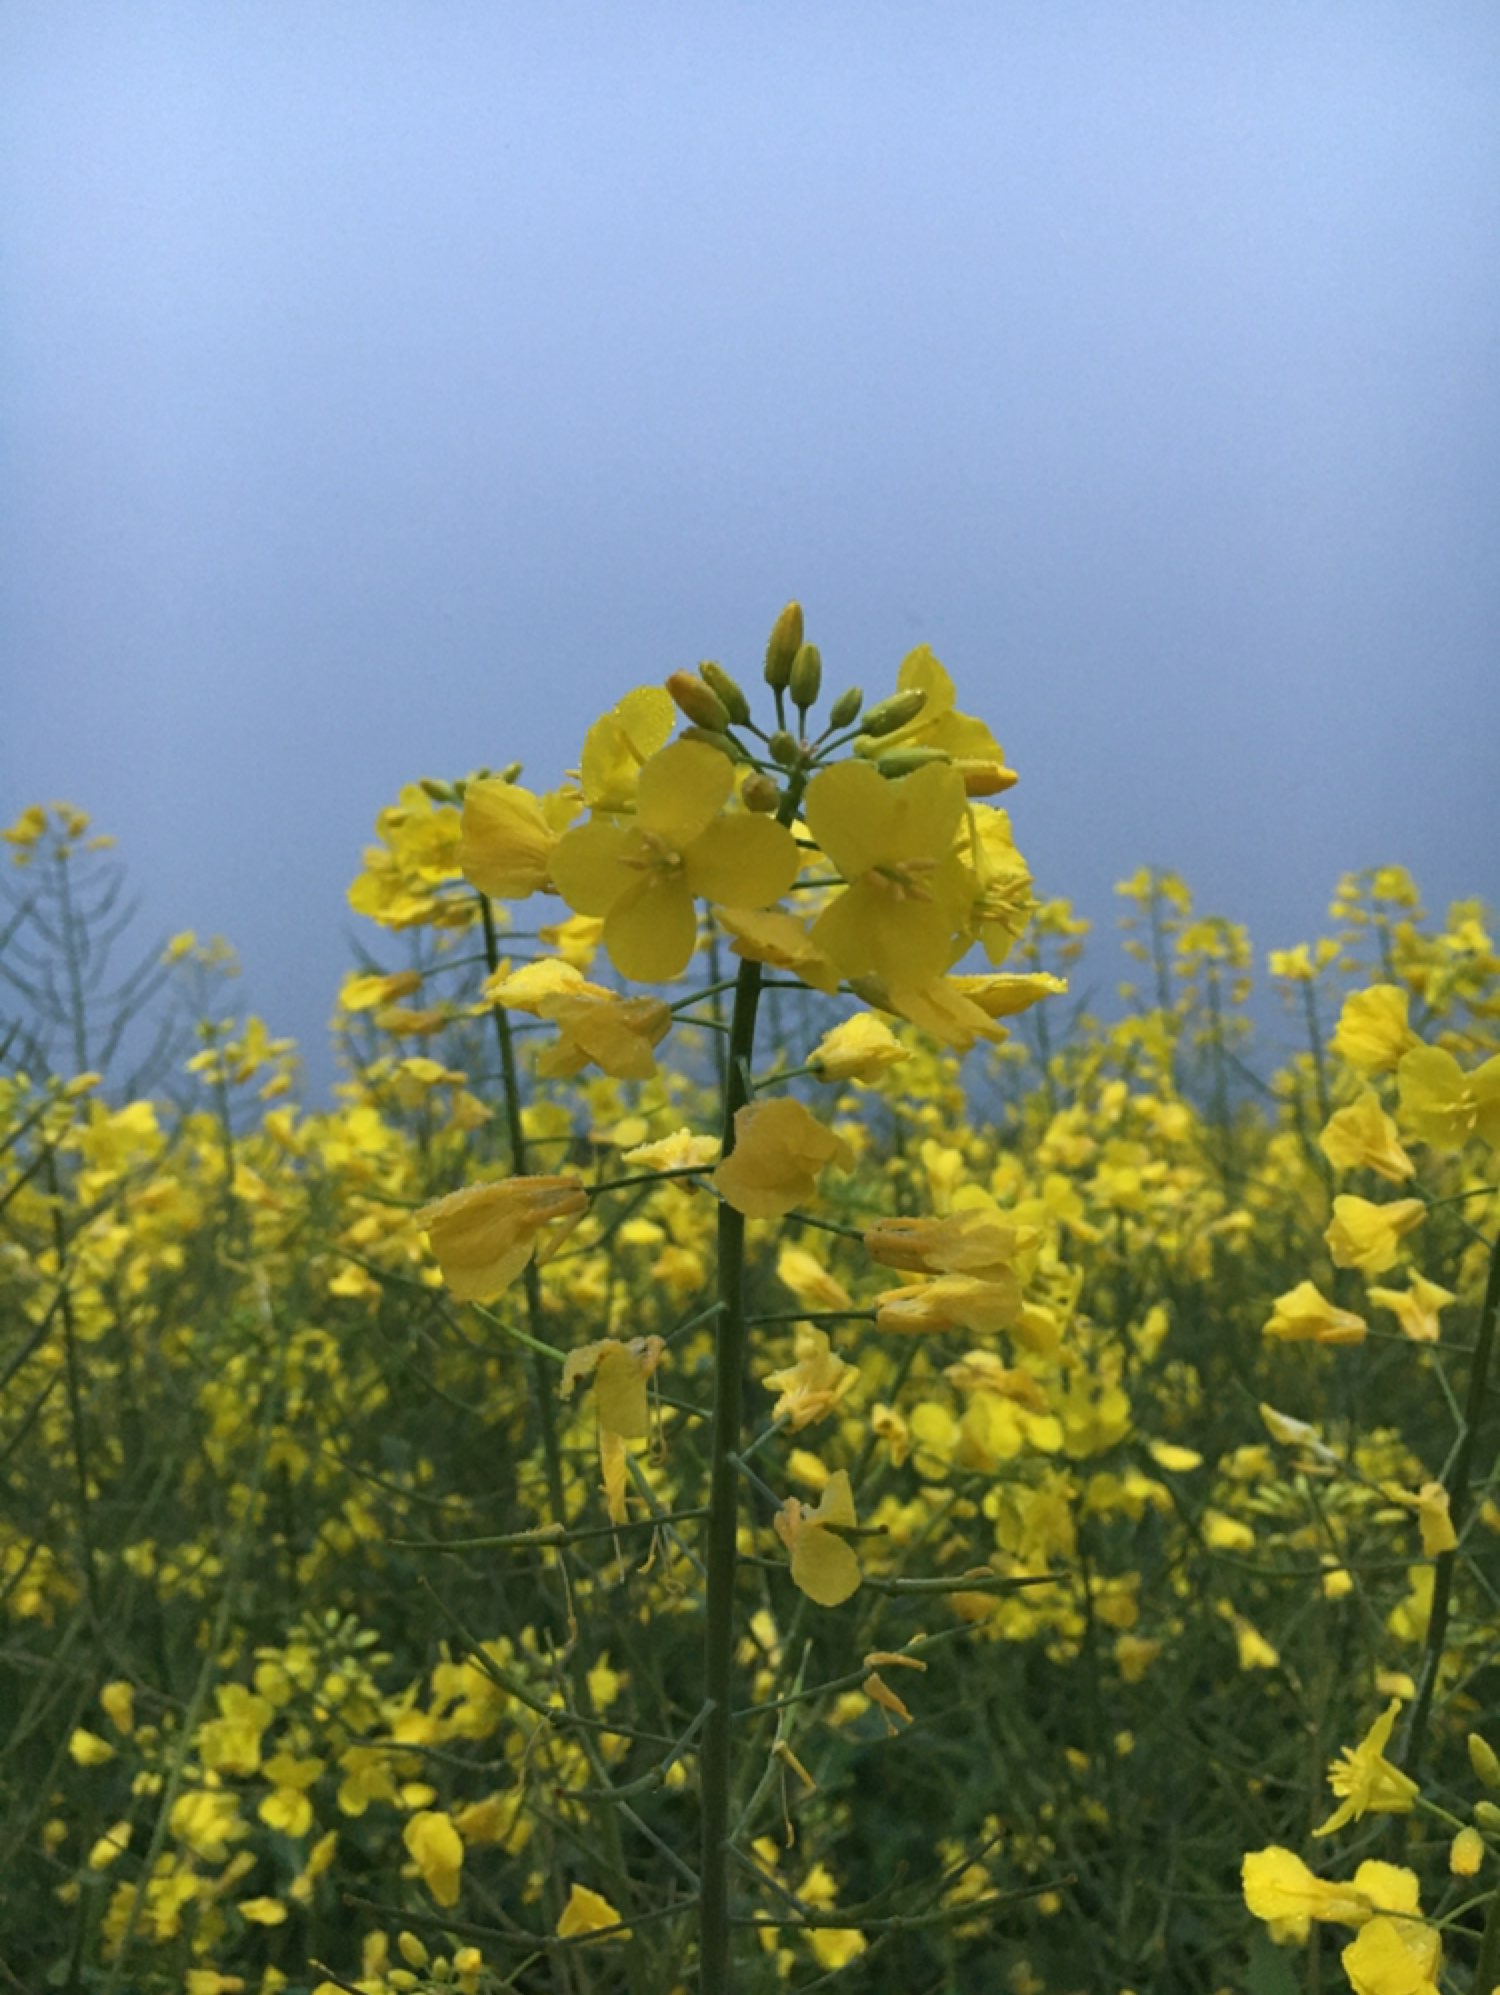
(1443, 1105)
(976, 754)
(949, 1302)
(644, 875)
(262, 1911)
(1372, 1032)
(1362, 1235)
(595, 1025)
(1393, 1957)
(1303, 1316)
(1363, 1137)
(1280, 1889)
(824, 1567)
(779, 1149)
(1367, 1780)
(118, 1700)
(1416, 1307)
(804, 1274)
(620, 1372)
(86, 1748)
(773, 936)
(860, 1049)
(437, 1849)
(485, 1234)
(1433, 1520)
(969, 1242)
(507, 835)
(938, 1005)
(620, 743)
(812, 1387)
(587, 1912)
(903, 912)
(675, 1152)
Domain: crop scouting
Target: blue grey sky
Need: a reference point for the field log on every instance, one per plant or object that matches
(386, 387)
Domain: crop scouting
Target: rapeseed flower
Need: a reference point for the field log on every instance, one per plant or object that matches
(643, 875)
(1367, 1236)
(1443, 1105)
(1367, 1780)
(903, 910)
(485, 1234)
(824, 1566)
(779, 1149)
(1304, 1316)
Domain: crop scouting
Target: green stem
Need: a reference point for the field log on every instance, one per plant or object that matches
(1457, 1484)
(715, 1932)
(541, 1380)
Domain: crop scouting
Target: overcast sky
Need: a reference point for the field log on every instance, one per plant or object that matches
(385, 388)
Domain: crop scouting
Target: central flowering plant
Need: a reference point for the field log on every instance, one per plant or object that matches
(859, 859)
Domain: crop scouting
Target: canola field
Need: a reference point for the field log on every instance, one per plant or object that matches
(756, 1445)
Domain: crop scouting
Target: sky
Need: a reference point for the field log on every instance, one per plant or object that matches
(385, 388)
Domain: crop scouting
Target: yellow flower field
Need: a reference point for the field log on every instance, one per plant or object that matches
(756, 1444)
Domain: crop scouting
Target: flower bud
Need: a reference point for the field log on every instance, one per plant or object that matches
(902, 761)
(806, 676)
(760, 792)
(1487, 1815)
(845, 708)
(439, 792)
(700, 703)
(785, 748)
(718, 680)
(1484, 1760)
(887, 715)
(785, 643)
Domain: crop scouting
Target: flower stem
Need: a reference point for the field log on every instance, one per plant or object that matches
(715, 1934)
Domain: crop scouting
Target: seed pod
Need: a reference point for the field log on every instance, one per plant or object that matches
(728, 690)
(845, 709)
(887, 715)
(806, 676)
(700, 703)
(760, 792)
(785, 643)
(902, 761)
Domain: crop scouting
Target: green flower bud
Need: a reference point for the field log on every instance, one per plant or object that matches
(887, 715)
(700, 703)
(439, 791)
(1484, 1760)
(902, 761)
(728, 690)
(845, 708)
(785, 643)
(1487, 1815)
(806, 676)
(760, 792)
(785, 748)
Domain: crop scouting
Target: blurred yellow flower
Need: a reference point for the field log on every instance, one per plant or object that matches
(1372, 1033)
(1303, 1316)
(1444, 1106)
(779, 1149)
(824, 1567)
(587, 1912)
(437, 1850)
(860, 1049)
(1363, 1137)
(485, 1234)
(1368, 1236)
